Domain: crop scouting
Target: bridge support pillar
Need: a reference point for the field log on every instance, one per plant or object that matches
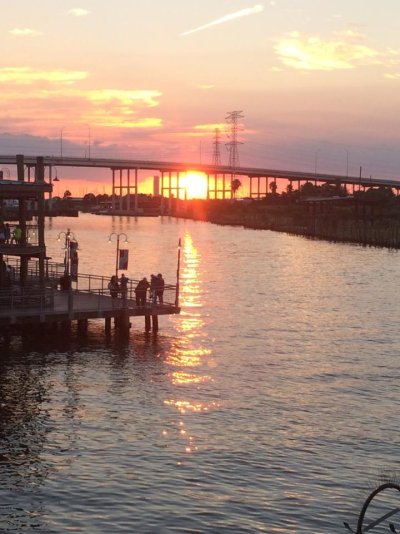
(154, 319)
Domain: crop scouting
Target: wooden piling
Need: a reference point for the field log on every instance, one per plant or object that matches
(82, 326)
(107, 326)
(147, 324)
(154, 319)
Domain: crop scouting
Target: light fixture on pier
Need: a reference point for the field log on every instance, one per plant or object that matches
(121, 260)
(69, 238)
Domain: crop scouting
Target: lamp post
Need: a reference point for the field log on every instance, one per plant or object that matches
(68, 237)
(316, 161)
(61, 142)
(51, 179)
(118, 236)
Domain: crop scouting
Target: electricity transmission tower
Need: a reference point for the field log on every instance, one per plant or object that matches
(233, 120)
(216, 159)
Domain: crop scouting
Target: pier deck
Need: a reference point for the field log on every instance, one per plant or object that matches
(78, 305)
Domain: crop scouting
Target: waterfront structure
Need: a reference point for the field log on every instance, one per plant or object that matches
(28, 241)
(31, 292)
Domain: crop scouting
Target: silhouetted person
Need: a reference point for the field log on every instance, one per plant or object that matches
(160, 285)
(113, 286)
(123, 286)
(153, 287)
(141, 292)
(65, 282)
(7, 233)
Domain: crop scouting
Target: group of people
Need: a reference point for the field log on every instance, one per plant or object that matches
(119, 285)
(8, 238)
(156, 286)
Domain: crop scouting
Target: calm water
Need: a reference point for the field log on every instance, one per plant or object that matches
(269, 405)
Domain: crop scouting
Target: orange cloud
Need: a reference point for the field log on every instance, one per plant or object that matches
(124, 97)
(211, 127)
(56, 98)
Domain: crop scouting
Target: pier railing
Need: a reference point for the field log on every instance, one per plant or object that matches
(89, 284)
(27, 298)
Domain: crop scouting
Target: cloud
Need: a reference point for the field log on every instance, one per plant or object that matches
(206, 86)
(238, 14)
(28, 76)
(24, 32)
(55, 98)
(393, 76)
(345, 51)
(201, 130)
(211, 127)
(125, 97)
(78, 12)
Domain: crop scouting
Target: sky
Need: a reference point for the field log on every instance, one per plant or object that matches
(318, 83)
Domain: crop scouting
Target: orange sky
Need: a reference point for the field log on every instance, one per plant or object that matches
(318, 83)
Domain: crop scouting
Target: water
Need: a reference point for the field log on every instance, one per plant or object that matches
(269, 405)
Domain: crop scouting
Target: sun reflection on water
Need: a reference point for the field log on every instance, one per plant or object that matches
(189, 356)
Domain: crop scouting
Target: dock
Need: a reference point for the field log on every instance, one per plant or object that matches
(31, 290)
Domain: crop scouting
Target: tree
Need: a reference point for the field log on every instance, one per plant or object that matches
(273, 186)
(89, 199)
(235, 184)
(67, 194)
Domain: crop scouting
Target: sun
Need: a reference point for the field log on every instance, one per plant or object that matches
(195, 184)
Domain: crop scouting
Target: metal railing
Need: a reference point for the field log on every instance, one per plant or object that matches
(88, 284)
(23, 298)
(29, 238)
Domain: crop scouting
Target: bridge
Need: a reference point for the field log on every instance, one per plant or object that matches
(219, 177)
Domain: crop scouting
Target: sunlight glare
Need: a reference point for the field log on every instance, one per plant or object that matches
(195, 184)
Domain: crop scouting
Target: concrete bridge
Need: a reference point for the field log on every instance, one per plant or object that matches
(124, 176)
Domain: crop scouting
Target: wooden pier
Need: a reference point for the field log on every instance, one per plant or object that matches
(30, 289)
(18, 309)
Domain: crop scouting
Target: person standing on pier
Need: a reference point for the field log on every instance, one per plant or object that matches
(17, 235)
(114, 288)
(141, 292)
(7, 233)
(123, 285)
(160, 285)
(153, 287)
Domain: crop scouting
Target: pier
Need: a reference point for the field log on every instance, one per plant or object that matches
(32, 292)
